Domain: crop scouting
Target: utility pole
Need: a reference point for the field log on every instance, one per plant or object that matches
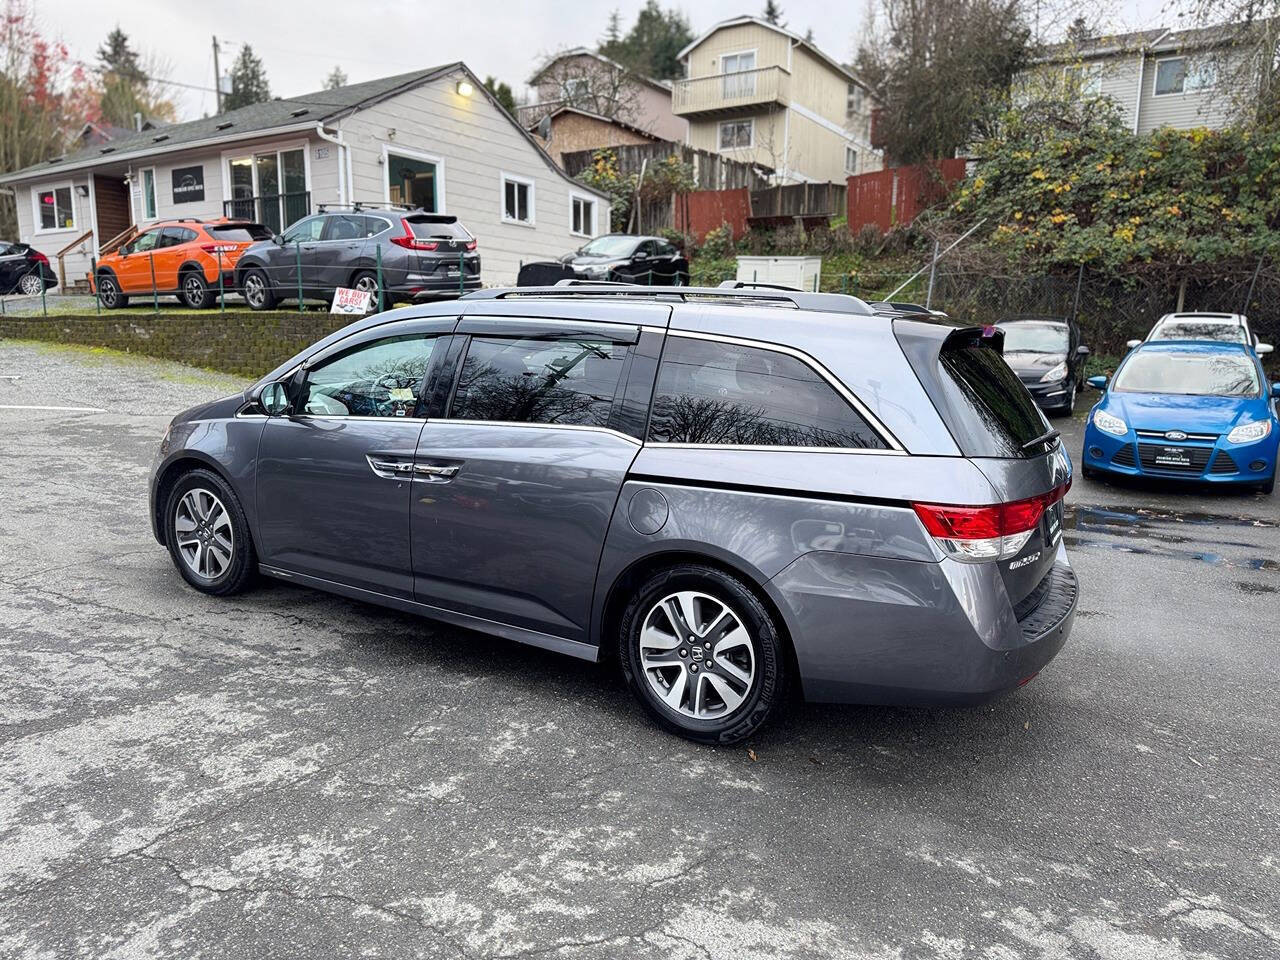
(217, 79)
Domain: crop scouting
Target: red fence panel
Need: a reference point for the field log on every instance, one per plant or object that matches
(700, 212)
(898, 194)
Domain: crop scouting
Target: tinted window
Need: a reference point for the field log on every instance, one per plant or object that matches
(305, 231)
(1188, 374)
(174, 236)
(345, 227)
(990, 398)
(721, 393)
(381, 379)
(240, 232)
(570, 381)
(432, 228)
(375, 225)
(6, 249)
(665, 249)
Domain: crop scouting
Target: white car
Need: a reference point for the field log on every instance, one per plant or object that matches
(1224, 327)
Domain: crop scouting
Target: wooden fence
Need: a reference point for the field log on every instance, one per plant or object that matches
(799, 200)
(896, 195)
(710, 170)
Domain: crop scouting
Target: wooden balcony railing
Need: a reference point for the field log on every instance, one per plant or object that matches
(723, 92)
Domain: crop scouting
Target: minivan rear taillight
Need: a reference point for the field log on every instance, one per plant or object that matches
(995, 531)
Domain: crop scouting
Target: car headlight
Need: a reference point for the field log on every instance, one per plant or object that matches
(1058, 372)
(599, 270)
(1249, 432)
(1109, 424)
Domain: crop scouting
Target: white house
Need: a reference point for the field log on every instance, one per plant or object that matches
(435, 138)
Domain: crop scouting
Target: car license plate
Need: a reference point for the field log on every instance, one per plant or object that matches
(452, 271)
(1173, 457)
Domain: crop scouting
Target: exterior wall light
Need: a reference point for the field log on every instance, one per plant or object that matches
(465, 89)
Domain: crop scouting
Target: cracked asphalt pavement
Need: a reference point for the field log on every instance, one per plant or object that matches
(290, 774)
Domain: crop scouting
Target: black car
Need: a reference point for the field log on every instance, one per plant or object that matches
(421, 256)
(1048, 357)
(24, 270)
(618, 256)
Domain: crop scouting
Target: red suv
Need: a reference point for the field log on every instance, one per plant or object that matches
(176, 257)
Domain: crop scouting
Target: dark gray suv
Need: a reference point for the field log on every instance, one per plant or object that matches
(421, 256)
(723, 489)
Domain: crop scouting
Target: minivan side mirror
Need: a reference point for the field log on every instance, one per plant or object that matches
(277, 239)
(1132, 343)
(1082, 350)
(275, 399)
(1263, 348)
(1098, 383)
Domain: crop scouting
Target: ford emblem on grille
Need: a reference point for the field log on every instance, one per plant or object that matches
(1175, 435)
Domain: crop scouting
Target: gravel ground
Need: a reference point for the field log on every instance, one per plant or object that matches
(292, 774)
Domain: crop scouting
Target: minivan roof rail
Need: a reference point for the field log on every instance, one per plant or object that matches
(824, 302)
(358, 205)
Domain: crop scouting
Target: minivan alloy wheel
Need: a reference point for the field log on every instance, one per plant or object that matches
(31, 285)
(697, 655)
(203, 533)
(255, 290)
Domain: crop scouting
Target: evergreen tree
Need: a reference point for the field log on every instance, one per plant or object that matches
(613, 32)
(248, 81)
(773, 14)
(337, 78)
(124, 85)
(502, 92)
(116, 56)
(651, 46)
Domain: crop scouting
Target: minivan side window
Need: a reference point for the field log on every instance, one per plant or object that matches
(718, 393)
(379, 379)
(569, 380)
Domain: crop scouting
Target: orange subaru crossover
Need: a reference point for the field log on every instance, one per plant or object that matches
(176, 257)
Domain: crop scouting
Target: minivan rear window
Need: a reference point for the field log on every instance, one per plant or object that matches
(240, 232)
(437, 228)
(988, 410)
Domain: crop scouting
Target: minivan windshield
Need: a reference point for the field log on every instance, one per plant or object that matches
(1188, 374)
(1200, 330)
(1034, 336)
(612, 246)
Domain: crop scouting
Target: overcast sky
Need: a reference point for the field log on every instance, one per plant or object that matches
(300, 42)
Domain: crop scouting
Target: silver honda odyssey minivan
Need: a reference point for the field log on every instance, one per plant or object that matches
(726, 491)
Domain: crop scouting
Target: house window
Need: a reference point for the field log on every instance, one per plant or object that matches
(269, 187)
(577, 89)
(517, 199)
(739, 79)
(850, 160)
(413, 182)
(149, 194)
(853, 102)
(1085, 78)
(735, 134)
(1181, 75)
(583, 216)
(54, 209)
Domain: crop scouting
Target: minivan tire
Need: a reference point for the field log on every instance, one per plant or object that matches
(198, 502)
(195, 291)
(255, 287)
(768, 660)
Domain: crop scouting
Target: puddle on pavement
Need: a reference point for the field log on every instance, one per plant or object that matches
(1150, 527)
(1248, 587)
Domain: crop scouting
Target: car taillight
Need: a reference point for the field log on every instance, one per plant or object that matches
(471, 245)
(39, 257)
(219, 247)
(995, 531)
(410, 242)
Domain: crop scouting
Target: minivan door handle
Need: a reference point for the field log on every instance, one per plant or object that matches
(390, 468)
(435, 472)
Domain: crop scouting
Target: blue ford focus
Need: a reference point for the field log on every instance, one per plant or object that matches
(1188, 409)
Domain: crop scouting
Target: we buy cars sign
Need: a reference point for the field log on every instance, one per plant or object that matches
(346, 300)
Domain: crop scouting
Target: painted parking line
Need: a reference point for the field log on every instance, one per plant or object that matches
(8, 406)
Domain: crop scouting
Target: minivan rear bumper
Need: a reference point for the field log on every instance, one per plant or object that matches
(871, 630)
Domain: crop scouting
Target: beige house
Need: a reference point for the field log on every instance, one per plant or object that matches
(433, 138)
(568, 130)
(1157, 78)
(586, 81)
(761, 94)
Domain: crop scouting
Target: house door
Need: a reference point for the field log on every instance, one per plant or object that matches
(111, 207)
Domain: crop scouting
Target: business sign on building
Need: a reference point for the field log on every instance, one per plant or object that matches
(188, 184)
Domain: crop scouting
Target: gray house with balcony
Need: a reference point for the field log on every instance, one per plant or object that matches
(433, 138)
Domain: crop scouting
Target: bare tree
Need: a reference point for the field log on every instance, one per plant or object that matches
(1242, 39)
(589, 83)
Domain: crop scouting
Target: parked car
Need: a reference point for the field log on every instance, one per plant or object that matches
(1226, 327)
(717, 489)
(176, 257)
(628, 259)
(1186, 409)
(420, 255)
(1048, 357)
(24, 270)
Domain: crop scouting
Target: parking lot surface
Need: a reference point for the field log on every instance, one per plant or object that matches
(287, 773)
